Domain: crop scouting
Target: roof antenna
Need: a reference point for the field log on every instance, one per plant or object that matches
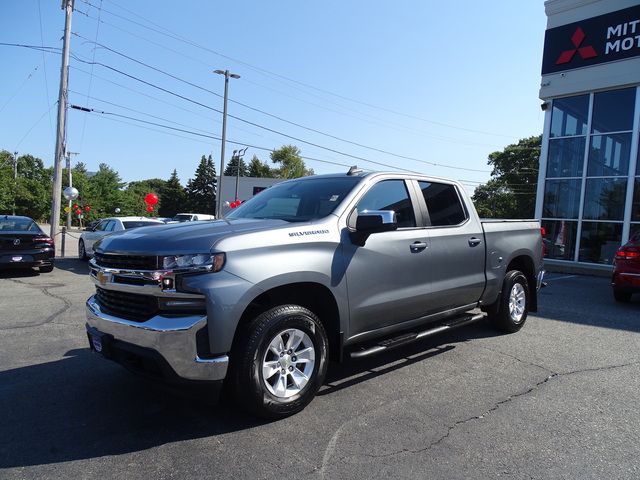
(354, 170)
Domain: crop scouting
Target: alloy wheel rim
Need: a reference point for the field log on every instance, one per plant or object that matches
(287, 365)
(517, 302)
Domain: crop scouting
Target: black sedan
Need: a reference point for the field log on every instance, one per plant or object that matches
(23, 244)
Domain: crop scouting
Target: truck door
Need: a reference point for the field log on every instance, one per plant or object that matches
(387, 278)
(456, 250)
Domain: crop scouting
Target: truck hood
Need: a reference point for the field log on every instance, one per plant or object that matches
(178, 238)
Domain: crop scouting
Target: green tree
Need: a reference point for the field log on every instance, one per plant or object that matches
(511, 191)
(291, 164)
(259, 169)
(201, 190)
(173, 197)
(105, 192)
(31, 191)
(232, 167)
(133, 199)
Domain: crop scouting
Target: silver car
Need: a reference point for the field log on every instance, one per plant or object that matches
(108, 226)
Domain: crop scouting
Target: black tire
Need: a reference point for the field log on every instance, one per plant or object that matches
(508, 318)
(249, 357)
(46, 269)
(621, 296)
(82, 252)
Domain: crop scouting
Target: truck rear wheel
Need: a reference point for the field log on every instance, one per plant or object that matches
(280, 363)
(513, 307)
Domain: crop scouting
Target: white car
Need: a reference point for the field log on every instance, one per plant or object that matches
(191, 217)
(108, 226)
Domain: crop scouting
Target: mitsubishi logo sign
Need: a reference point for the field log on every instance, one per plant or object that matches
(585, 52)
(592, 41)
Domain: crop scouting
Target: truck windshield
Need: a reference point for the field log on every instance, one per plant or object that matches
(299, 201)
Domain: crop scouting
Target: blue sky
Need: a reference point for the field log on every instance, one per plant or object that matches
(441, 82)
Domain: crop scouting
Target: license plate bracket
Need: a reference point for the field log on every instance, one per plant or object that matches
(99, 342)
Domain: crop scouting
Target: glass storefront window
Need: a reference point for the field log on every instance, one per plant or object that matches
(635, 208)
(569, 116)
(561, 198)
(566, 157)
(599, 242)
(560, 239)
(609, 155)
(604, 198)
(613, 110)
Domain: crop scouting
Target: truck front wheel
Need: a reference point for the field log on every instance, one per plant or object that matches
(280, 362)
(513, 304)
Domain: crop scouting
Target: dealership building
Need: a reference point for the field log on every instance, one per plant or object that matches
(588, 196)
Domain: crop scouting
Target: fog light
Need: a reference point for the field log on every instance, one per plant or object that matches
(167, 283)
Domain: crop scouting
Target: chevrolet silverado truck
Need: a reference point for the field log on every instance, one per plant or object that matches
(310, 270)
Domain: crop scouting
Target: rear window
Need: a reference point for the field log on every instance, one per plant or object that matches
(18, 225)
(443, 204)
(138, 223)
(182, 218)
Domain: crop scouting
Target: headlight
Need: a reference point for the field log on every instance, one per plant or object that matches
(196, 261)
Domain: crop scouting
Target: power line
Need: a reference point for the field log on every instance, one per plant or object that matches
(44, 64)
(356, 157)
(166, 32)
(93, 58)
(304, 127)
(214, 137)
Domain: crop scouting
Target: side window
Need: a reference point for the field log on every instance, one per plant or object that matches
(101, 226)
(390, 195)
(443, 204)
(110, 225)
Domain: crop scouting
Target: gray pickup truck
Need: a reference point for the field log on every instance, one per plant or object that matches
(307, 271)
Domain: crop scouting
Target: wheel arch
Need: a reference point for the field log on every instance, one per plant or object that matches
(311, 295)
(525, 264)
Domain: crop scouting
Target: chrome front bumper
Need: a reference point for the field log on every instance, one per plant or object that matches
(174, 338)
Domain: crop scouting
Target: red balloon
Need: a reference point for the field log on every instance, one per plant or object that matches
(78, 211)
(87, 208)
(149, 208)
(151, 199)
(75, 206)
(234, 204)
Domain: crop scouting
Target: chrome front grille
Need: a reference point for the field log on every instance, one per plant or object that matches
(127, 262)
(131, 306)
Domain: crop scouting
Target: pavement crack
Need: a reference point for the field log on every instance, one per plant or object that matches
(525, 362)
(512, 397)
(45, 291)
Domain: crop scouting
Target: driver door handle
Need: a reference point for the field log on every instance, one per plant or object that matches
(473, 242)
(416, 247)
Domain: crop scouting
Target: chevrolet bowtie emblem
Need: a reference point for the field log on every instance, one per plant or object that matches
(102, 277)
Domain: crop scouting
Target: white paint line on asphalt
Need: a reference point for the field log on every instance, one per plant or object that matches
(560, 278)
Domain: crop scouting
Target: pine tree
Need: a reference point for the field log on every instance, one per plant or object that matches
(201, 190)
(173, 197)
(231, 168)
(259, 169)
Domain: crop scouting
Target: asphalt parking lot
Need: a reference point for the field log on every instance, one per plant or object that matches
(559, 399)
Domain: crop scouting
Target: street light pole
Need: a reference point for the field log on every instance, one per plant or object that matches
(240, 154)
(227, 75)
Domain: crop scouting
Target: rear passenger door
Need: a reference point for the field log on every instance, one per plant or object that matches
(457, 251)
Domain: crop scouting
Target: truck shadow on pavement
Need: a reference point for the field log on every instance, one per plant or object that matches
(83, 407)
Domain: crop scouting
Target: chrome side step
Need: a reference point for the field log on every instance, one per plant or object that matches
(389, 343)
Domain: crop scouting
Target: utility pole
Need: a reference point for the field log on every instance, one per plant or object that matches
(67, 5)
(227, 75)
(15, 180)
